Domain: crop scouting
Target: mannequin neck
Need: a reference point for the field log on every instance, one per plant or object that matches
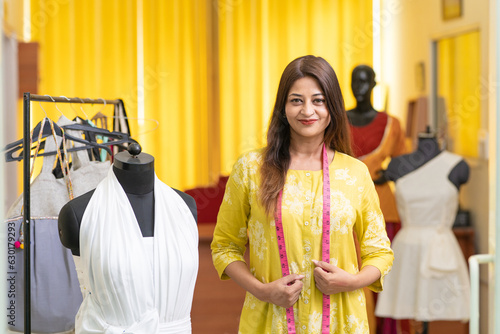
(363, 114)
(363, 106)
(133, 182)
(428, 146)
(135, 173)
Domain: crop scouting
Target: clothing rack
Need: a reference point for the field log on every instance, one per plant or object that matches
(28, 98)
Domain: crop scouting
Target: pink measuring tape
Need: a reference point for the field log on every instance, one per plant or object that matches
(325, 246)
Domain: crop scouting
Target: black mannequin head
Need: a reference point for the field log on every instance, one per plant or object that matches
(362, 82)
(134, 170)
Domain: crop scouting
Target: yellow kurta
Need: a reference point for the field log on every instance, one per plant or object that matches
(354, 206)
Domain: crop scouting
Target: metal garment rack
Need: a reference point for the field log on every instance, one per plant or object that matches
(28, 98)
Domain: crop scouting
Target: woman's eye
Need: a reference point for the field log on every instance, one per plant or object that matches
(319, 101)
(296, 100)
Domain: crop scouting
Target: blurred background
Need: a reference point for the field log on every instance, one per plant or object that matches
(198, 80)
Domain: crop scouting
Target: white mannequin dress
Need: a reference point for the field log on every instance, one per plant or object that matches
(133, 284)
(429, 279)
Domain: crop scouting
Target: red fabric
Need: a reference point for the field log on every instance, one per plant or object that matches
(367, 138)
(208, 200)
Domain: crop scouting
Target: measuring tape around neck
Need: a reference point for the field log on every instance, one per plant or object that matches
(325, 246)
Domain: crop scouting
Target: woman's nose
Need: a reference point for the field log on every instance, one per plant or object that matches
(308, 109)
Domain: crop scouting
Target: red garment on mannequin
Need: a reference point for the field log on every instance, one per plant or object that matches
(373, 143)
(366, 139)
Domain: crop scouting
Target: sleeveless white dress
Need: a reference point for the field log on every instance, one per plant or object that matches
(124, 291)
(429, 279)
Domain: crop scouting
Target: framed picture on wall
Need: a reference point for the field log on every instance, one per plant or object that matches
(452, 9)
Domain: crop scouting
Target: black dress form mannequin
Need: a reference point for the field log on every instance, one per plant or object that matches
(362, 83)
(427, 149)
(135, 172)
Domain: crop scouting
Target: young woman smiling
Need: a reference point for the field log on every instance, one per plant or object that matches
(296, 204)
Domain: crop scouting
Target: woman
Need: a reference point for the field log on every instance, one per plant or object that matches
(274, 202)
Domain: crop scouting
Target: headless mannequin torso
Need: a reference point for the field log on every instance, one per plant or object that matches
(135, 172)
(427, 149)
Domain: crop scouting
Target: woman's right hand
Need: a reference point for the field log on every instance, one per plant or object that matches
(285, 291)
(282, 292)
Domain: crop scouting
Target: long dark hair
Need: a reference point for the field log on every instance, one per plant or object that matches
(276, 155)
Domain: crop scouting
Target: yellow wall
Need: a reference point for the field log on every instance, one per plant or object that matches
(409, 28)
(458, 81)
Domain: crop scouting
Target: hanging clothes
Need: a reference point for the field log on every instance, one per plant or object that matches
(54, 286)
(126, 292)
(85, 174)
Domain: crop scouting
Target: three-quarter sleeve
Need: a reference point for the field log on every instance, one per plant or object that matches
(375, 246)
(230, 234)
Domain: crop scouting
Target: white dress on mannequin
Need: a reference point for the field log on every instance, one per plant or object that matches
(124, 292)
(429, 278)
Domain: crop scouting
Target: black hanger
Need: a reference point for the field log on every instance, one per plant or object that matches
(41, 133)
(116, 138)
(95, 153)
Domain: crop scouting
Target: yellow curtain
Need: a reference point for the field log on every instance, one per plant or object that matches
(177, 93)
(206, 70)
(257, 39)
(459, 85)
(91, 49)
(86, 49)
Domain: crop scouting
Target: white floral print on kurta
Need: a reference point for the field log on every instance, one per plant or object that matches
(250, 301)
(228, 256)
(248, 164)
(258, 239)
(333, 317)
(361, 297)
(296, 206)
(315, 321)
(373, 232)
(279, 320)
(343, 174)
(227, 197)
(342, 214)
(242, 233)
(355, 326)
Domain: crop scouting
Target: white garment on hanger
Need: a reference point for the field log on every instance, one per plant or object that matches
(124, 293)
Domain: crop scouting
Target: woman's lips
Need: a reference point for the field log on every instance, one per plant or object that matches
(308, 121)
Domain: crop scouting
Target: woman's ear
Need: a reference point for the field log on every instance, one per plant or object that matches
(283, 116)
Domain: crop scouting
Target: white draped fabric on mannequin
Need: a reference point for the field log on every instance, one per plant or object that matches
(128, 286)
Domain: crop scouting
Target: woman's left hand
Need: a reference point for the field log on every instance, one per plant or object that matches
(331, 279)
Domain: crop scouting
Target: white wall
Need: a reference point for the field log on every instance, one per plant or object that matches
(408, 28)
